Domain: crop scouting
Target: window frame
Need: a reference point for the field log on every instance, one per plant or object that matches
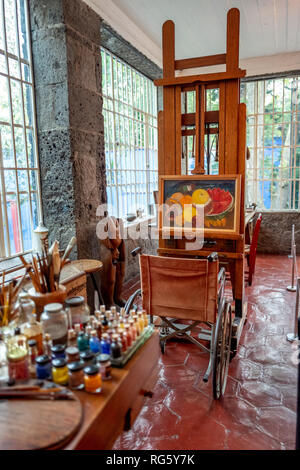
(30, 192)
(116, 174)
(258, 116)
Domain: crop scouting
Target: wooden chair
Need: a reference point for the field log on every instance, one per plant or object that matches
(191, 290)
(250, 250)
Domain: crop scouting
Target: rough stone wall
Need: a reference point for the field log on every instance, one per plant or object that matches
(275, 232)
(67, 71)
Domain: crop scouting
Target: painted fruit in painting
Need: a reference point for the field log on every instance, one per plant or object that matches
(222, 203)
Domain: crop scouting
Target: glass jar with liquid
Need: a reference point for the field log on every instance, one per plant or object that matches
(54, 321)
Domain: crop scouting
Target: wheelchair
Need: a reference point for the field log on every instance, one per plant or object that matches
(191, 291)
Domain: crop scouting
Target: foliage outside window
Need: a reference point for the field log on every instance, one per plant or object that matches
(130, 128)
(273, 138)
(19, 173)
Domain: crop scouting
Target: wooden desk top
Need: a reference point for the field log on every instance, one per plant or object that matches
(104, 414)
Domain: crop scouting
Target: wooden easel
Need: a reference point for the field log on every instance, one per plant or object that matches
(231, 127)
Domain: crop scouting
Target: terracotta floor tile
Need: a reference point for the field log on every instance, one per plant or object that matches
(258, 409)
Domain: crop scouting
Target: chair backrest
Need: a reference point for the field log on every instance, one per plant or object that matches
(253, 246)
(180, 287)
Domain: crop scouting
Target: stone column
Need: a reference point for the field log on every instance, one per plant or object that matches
(67, 72)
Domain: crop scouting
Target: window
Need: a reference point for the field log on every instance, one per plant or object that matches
(19, 173)
(130, 128)
(273, 138)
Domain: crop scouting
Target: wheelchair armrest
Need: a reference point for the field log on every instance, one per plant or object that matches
(213, 256)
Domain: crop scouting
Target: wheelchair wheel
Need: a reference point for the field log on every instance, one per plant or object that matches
(221, 352)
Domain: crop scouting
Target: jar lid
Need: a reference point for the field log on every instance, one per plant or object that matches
(53, 308)
(91, 370)
(32, 343)
(75, 301)
(17, 331)
(60, 362)
(72, 350)
(75, 366)
(42, 360)
(86, 356)
(103, 357)
(58, 348)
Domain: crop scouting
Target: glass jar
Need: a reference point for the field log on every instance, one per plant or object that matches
(77, 310)
(17, 357)
(60, 371)
(72, 338)
(43, 367)
(105, 344)
(76, 375)
(92, 379)
(72, 354)
(58, 351)
(26, 307)
(105, 366)
(116, 347)
(54, 321)
(88, 358)
(123, 340)
(137, 325)
(33, 330)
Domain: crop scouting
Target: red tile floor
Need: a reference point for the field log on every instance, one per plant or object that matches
(259, 407)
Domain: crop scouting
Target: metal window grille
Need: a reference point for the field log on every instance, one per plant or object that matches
(20, 203)
(273, 138)
(130, 128)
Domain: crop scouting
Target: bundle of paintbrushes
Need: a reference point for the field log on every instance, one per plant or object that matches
(44, 271)
(8, 298)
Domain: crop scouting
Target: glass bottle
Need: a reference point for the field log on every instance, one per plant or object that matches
(133, 330)
(113, 310)
(137, 325)
(47, 345)
(95, 345)
(60, 371)
(77, 310)
(98, 329)
(105, 344)
(116, 347)
(88, 358)
(54, 321)
(32, 355)
(82, 341)
(123, 340)
(17, 357)
(105, 366)
(72, 339)
(92, 379)
(33, 330)
(76, 375)
(77, 329)
(58, 351)
(104, 323)
(102, 309)
(141, 322)
(43, 367)
(26, 307)
(129, 334)
(72, 354)
(145, 316)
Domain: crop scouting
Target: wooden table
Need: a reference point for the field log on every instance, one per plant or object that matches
(106, 415)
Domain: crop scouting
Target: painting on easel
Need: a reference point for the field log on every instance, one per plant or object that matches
(212, 200)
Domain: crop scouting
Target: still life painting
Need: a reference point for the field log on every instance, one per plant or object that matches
(197, 202)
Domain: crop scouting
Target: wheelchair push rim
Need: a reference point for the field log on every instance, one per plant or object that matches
(222, 345)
